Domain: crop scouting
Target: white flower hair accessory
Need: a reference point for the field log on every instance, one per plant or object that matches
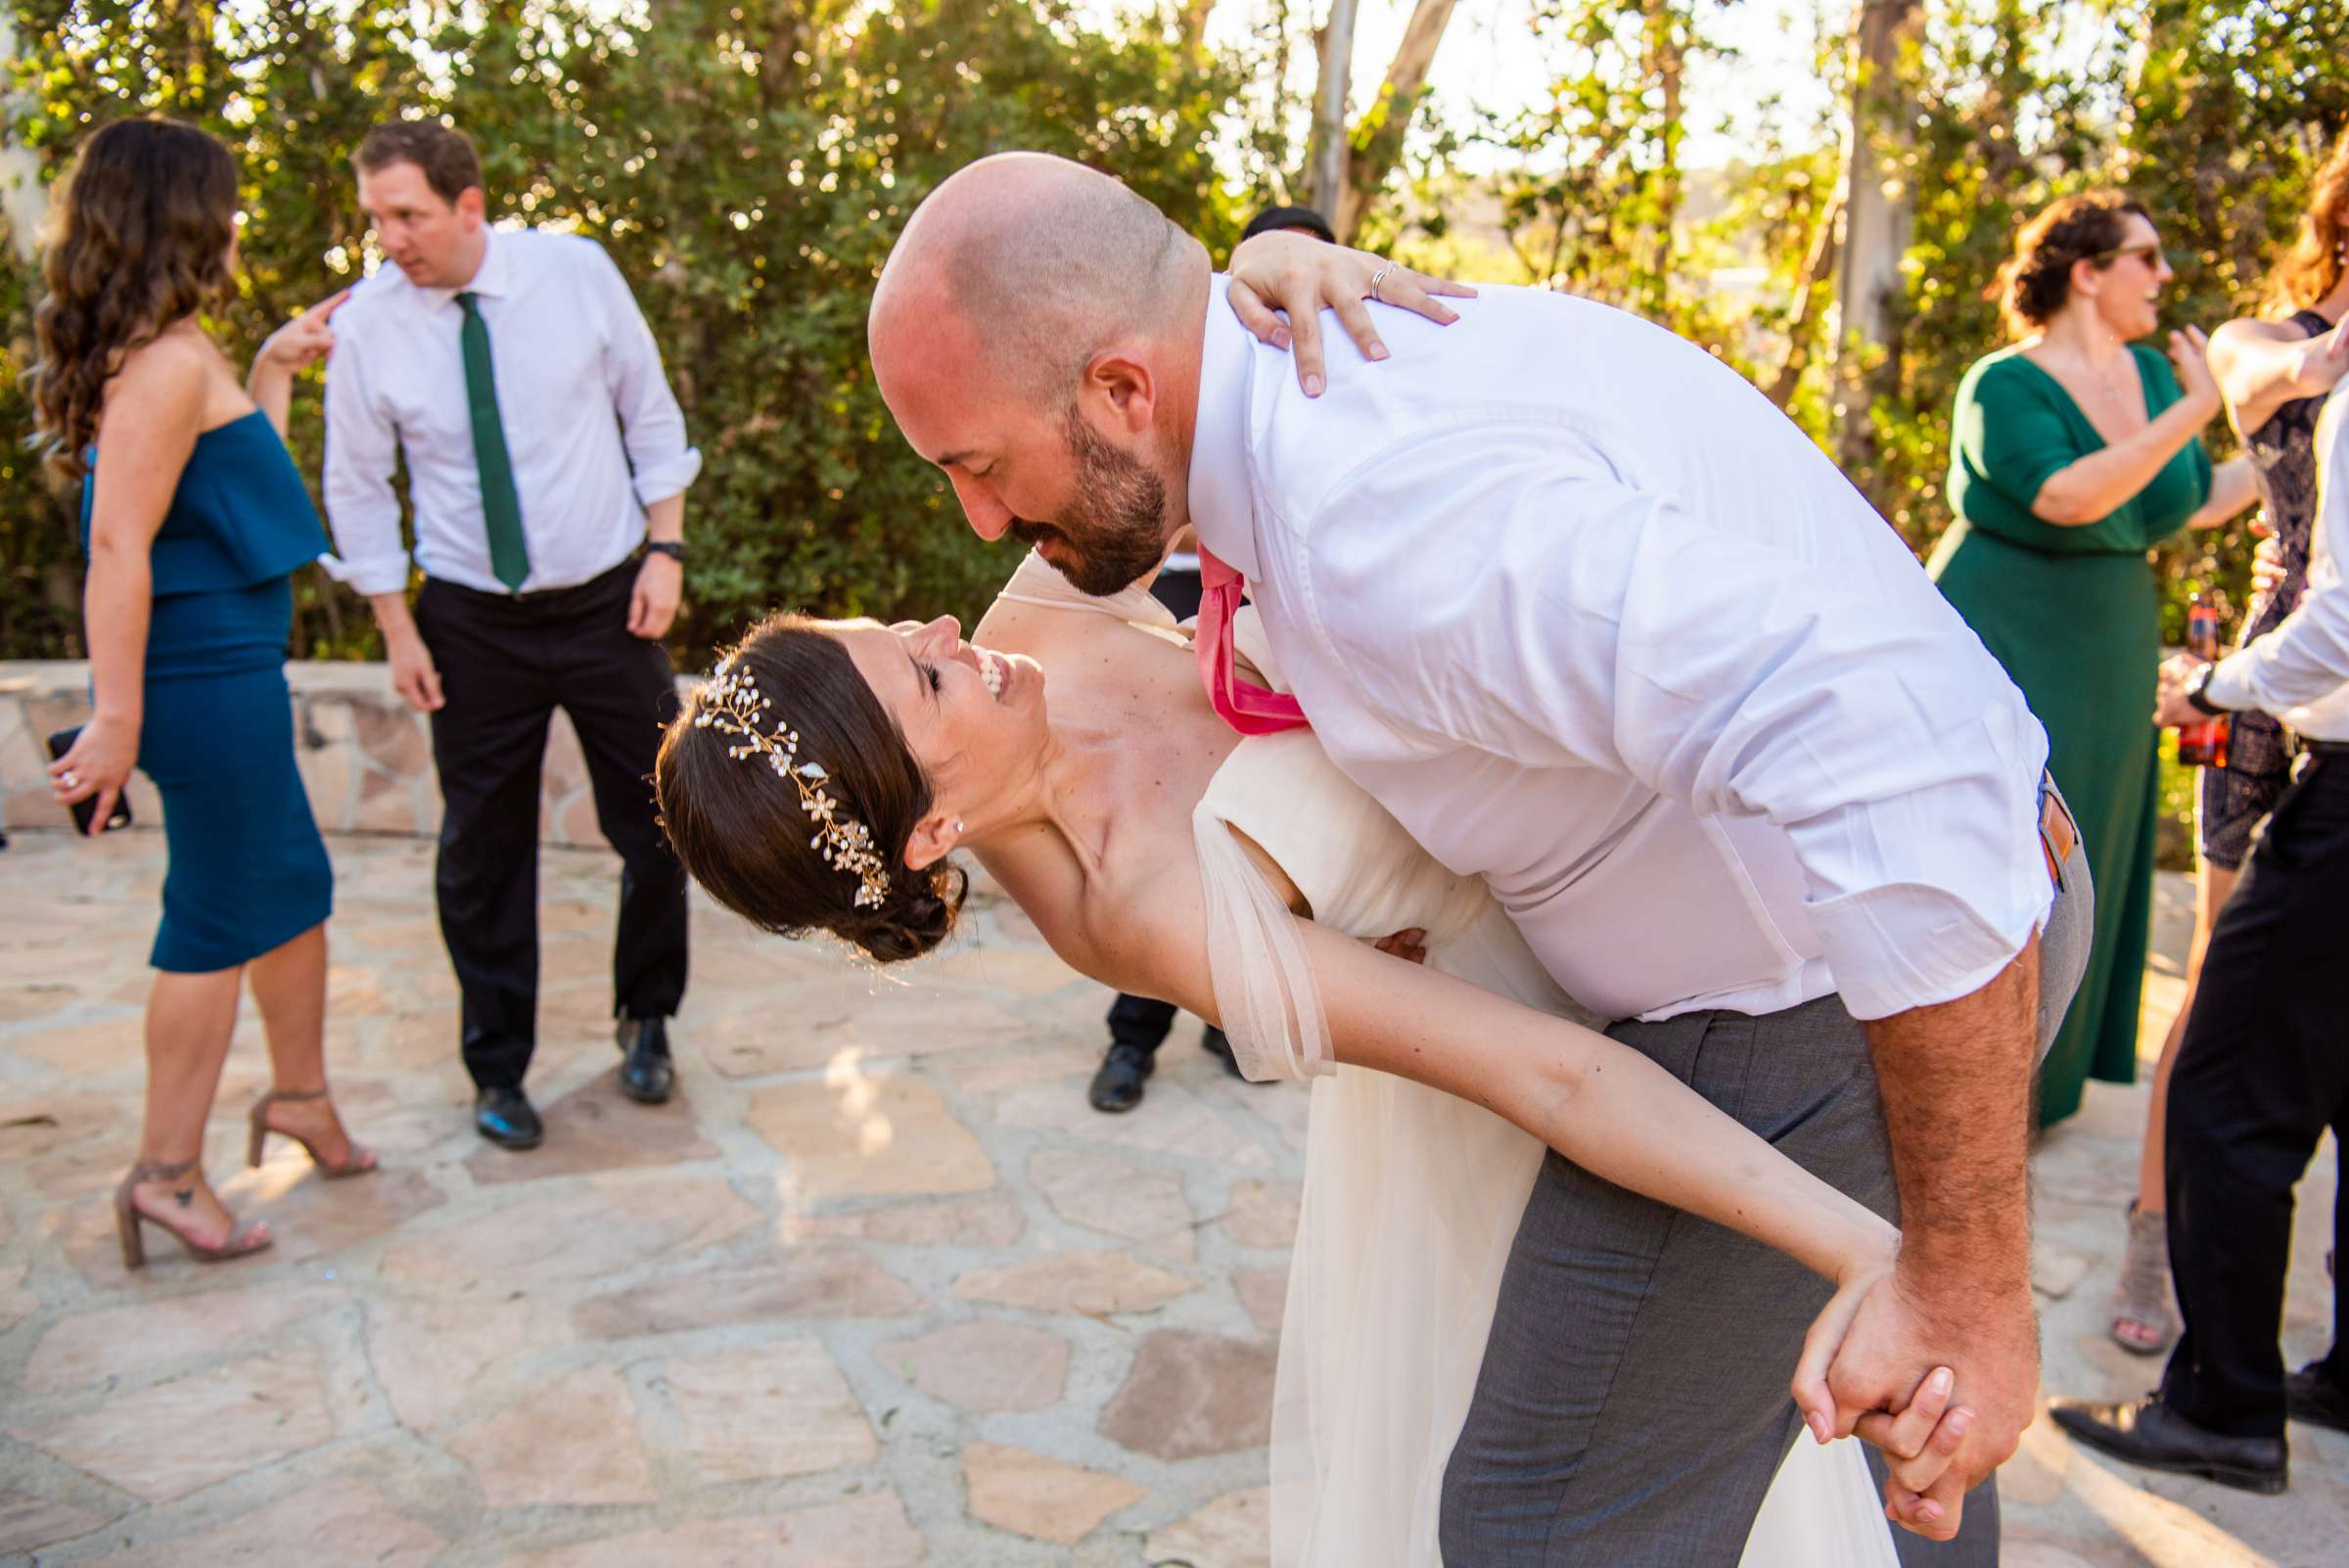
(733, 704)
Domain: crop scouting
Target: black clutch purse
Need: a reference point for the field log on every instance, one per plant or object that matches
(86, 807)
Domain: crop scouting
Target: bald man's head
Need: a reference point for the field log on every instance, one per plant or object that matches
(1035, 333)
(1046, 260)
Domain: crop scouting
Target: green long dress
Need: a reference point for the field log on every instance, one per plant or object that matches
(2072, 613)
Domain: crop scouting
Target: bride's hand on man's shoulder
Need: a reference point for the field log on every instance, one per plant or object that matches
(1299, 276)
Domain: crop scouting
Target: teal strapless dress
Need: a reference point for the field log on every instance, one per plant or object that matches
(248, 869)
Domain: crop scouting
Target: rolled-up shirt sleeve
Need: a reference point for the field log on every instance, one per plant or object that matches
(362, 448)
(2306, 659)
(652, 426)
(1561, 617)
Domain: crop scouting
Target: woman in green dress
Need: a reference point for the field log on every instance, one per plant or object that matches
(2073, 452)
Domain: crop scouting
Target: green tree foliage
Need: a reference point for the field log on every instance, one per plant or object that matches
(1593, 186)
(39, 566)
(748, 164)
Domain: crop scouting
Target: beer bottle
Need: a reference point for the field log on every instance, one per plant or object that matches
(2203, 745)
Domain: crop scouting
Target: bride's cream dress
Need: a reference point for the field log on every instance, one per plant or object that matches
(1411, 1197)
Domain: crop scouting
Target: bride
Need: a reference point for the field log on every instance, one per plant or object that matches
(819, 782)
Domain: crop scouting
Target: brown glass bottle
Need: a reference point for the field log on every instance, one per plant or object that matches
(2203, 745)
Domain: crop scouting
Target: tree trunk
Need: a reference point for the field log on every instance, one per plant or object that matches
(1390, 114)
(1191, 22)
(1325, 163)
(1666, 46)
(1826, 251)
(1876, 221)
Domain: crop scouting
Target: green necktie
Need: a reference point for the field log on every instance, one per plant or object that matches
(501, 508)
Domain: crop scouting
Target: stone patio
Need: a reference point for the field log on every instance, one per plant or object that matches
(877, 1290)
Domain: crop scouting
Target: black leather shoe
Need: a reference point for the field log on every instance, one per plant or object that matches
(647, 1075)
(1219, 1046)
(2311, 1397)
(505, 1117)
(2150, 1432)
(1118, 1085)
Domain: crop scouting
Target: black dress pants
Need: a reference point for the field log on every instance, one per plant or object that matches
(2263, 1070)
(1142, 1021)
(507, 662)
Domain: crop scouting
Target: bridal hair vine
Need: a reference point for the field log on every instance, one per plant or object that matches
(733, 704)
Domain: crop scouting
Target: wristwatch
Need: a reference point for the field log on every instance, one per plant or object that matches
(671, 548)
(2195, 691)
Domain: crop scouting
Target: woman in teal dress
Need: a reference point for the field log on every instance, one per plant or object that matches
(2073, 452)
(194, 521)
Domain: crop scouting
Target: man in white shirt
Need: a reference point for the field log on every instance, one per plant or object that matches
(2264, 1067)
(514, 373)
(1597, 622)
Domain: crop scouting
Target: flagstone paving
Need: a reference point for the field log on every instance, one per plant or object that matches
(876, 1290)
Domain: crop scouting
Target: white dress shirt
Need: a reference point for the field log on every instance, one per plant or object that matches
(575, 366)
(2299, 673)
(1594, 619)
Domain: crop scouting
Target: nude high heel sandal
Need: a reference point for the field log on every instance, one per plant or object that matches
(360, 1162)
(243, 1240)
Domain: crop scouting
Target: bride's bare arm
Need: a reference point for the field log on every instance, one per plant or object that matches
(1601, 1104)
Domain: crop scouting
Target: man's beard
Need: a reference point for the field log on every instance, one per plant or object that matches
(1115, 531)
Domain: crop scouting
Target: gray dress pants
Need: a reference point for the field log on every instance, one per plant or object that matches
(1632, 1408)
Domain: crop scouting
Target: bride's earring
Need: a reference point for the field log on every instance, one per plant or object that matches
(958, 826)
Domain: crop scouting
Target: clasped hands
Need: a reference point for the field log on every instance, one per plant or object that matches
(1939, 1377)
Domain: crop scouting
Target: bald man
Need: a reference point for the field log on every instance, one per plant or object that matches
(1593, 620)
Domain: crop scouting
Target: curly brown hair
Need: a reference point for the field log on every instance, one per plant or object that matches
(743, 834)
(2037, 279)
(2312, 268)
(139, 237)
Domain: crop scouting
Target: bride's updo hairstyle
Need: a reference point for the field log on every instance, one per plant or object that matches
(790, 795)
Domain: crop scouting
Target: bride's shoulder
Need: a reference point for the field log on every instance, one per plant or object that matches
(1011, 626)
(1021, 623)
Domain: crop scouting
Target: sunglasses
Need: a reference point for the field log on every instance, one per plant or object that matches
(2152, 255)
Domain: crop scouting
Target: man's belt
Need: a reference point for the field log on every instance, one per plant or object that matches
(2058, 834)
